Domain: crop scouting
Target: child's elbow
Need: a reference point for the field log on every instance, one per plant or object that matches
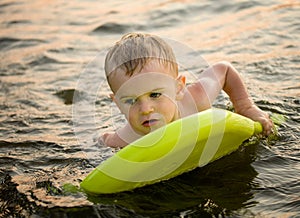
(222, 68)
(223, 65)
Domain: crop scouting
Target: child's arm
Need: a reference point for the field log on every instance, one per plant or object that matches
(224, 76)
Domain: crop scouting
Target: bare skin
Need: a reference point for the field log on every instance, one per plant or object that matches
(147, 109)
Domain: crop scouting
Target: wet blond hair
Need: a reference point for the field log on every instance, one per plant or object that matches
(133, 51)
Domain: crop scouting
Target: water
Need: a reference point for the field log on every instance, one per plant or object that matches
(46, 45)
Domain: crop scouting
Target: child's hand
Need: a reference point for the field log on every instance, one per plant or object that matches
(111, 139)
(256, 114)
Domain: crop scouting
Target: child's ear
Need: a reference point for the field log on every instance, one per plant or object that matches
(181, 78)
(180, 87)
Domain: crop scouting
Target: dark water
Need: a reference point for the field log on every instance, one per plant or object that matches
(46, 45)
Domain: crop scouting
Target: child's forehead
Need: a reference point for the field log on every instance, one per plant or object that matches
(118, 77)
(157, 65)
(142, 83)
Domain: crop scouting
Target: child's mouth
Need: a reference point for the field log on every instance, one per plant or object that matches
(149, 123)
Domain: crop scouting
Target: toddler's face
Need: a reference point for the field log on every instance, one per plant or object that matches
(148, 98)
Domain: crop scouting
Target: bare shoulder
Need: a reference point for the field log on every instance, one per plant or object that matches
(196, 93)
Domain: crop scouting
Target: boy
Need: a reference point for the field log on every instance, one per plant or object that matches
(142, 73)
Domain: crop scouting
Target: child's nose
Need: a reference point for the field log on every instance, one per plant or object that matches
(146, 106)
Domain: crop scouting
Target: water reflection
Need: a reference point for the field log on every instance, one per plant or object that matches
(45, 45)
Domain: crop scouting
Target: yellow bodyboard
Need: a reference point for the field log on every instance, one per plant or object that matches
(178, 147)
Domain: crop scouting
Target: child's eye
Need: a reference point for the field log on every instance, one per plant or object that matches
(130, 101)
(155, 95)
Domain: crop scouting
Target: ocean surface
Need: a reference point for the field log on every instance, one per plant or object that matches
(50, 50)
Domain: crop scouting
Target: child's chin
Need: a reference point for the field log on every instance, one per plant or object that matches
(155, 127)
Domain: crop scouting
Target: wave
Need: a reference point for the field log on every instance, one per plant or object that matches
(8, 43)
(45, 59)
(37, 144)
(66, 95)
(112, 27)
